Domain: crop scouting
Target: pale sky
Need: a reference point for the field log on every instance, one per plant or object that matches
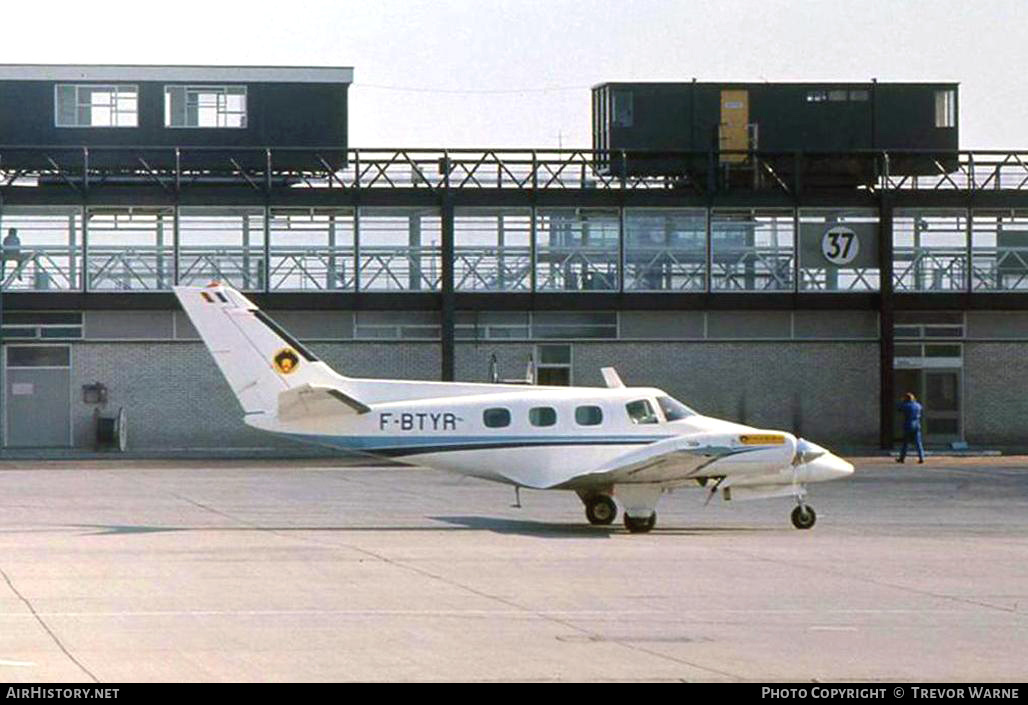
(517, 73)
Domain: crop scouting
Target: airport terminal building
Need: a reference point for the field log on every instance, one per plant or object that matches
(799, 278)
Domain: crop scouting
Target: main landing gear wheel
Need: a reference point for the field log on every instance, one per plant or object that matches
(803, 517)
(640, 525)
(601, 510)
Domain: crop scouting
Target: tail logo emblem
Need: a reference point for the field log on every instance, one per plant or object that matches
(286, 361)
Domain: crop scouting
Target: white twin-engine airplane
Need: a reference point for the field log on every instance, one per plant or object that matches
(614, 445)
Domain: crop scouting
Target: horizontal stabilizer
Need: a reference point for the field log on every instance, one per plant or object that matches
(316, 400)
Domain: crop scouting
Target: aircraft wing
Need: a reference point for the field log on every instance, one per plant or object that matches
(683, 458)
(316, 400)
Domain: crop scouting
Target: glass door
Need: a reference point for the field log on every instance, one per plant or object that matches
(942, 422)
(939, 391)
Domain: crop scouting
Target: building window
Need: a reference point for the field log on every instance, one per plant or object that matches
(496, 418)
(205, 106)
(817, 96)
(542, 416)
(588, 416)
(574, 325)
(397, 325)
(38, 356)
(946, 108)
(838, 96)
(31, 324)
(554, 365)
(96, 106)
(860, 95)
(491, 325)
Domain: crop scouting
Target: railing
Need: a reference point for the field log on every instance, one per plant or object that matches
(753, 269)
(312, 268)
(492, 268)
(839, 279)
(42, 268)
(929, 269)
(117, 268)
(132, 268)
(584, 268)
(242, 267)
(999, 268)
(400, 268)
(665, 269)
(178, 169)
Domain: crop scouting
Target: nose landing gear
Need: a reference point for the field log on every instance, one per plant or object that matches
(803, 517)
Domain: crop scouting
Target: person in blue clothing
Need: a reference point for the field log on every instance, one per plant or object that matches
(912, 412)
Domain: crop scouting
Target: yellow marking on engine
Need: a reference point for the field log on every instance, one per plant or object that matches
(762, 439)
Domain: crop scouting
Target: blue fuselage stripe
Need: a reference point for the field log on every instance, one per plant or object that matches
(394, 446)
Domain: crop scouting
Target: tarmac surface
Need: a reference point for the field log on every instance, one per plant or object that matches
(256, 571)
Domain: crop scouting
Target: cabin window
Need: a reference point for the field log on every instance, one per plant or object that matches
(837, 96)
(641, 412)
(673, 409)
(542, 416)
(96, 106)
(588, 416)
(496, 418)
(817, 96)
(860, 95)
(205, 106)
(946, 108)
(624, 109)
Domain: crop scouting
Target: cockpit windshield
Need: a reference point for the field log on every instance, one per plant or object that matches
(673, 409)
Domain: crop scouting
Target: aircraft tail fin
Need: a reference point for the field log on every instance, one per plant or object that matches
(611, 378)
(257, 357)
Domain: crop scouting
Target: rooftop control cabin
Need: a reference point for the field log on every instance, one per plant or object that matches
(172, 106)
(650, 121)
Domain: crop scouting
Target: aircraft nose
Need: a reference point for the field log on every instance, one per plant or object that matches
(832, 467)
(819, 464)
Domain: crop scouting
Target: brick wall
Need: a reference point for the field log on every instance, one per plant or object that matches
(175, 397)
(825, 391)
(996, 393)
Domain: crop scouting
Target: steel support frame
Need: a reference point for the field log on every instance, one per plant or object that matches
(886, 322)
(83, 169)
(372, 186)
(447, 314)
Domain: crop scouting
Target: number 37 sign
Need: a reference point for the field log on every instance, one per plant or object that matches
(840, 245)
(853, 245)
